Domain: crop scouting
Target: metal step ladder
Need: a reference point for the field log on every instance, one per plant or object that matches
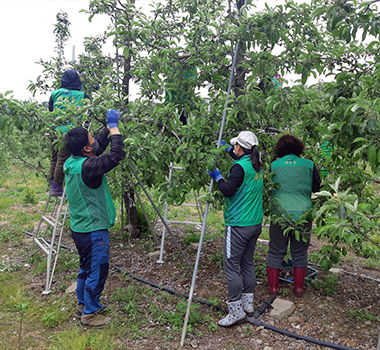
(54, 216)
(197, 205)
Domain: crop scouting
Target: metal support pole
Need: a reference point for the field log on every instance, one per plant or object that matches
(160, 260)
(199, 206)
(162, 219)
(208, 204)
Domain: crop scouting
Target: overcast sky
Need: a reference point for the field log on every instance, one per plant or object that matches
(26, 28)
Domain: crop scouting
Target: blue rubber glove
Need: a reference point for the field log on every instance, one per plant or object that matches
(113, 118)
(222, 143)
(215, 174)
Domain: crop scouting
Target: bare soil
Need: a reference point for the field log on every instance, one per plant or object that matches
(322, 313)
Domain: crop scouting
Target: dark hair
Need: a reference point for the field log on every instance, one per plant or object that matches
(255, 157)
(76, 139)
(288, 144)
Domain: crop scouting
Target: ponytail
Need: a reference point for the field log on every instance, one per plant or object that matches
(255, 157)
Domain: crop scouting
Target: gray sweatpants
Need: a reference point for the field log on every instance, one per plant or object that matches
(278, 246)
(239, 247)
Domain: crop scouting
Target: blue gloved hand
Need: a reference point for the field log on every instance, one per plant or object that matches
(222, 143)
(113, 118)
(215, 174)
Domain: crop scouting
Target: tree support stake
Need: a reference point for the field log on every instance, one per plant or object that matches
(161, 217)
(210, 189)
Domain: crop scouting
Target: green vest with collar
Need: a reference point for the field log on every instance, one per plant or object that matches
(295, 177)
(245, 207)
(64, 97)
(90, 209)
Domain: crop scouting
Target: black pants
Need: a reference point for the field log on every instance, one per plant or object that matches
(239, 247)
(278, 246)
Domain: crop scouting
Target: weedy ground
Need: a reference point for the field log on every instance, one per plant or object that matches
(342, 309)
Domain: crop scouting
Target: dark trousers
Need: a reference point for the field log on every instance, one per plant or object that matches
(239, 247)
(58, 158)
(278, 246)
(93, 249)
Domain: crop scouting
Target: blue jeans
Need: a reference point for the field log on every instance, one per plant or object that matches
(93, 249)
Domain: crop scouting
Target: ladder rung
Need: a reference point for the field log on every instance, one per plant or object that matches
(44, 245)
(56, 221)
(49, 221)
(183, 222)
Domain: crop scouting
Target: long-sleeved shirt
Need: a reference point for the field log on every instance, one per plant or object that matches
(94, 168)
(236, 177)
(233, 182)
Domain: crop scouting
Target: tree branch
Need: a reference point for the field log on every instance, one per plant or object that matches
(374, 180)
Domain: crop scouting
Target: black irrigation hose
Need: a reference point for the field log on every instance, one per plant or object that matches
(258, 322)
(253, 320)
(169, 290)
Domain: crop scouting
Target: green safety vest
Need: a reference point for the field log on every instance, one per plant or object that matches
(63, 97)
(90, 209)
(295, 176)
(245, 207)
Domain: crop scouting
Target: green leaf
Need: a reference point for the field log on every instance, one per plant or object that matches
(347, 35)
(359, 150)
(319, 11)
(341, 212)
(335, 257)
(326, 264)
(304, 78)
(355, 107)
(323, 194)
(359, 139)
(19, 121)
(299, 68)
(372, 155)
(2, 122)
(336, 185)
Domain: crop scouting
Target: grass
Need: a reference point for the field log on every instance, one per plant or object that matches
(139, 312)
(30, 320)
(47, 321)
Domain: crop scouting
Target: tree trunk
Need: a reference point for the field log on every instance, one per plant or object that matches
(240, 73)
(239, 86)
(128, 194)
(131, 211)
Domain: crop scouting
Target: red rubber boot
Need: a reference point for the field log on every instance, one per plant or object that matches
(273, 279)
(299, 278)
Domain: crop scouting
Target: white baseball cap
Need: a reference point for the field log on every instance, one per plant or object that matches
(246, 139)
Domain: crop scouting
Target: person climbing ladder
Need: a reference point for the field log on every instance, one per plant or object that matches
(69, 93)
